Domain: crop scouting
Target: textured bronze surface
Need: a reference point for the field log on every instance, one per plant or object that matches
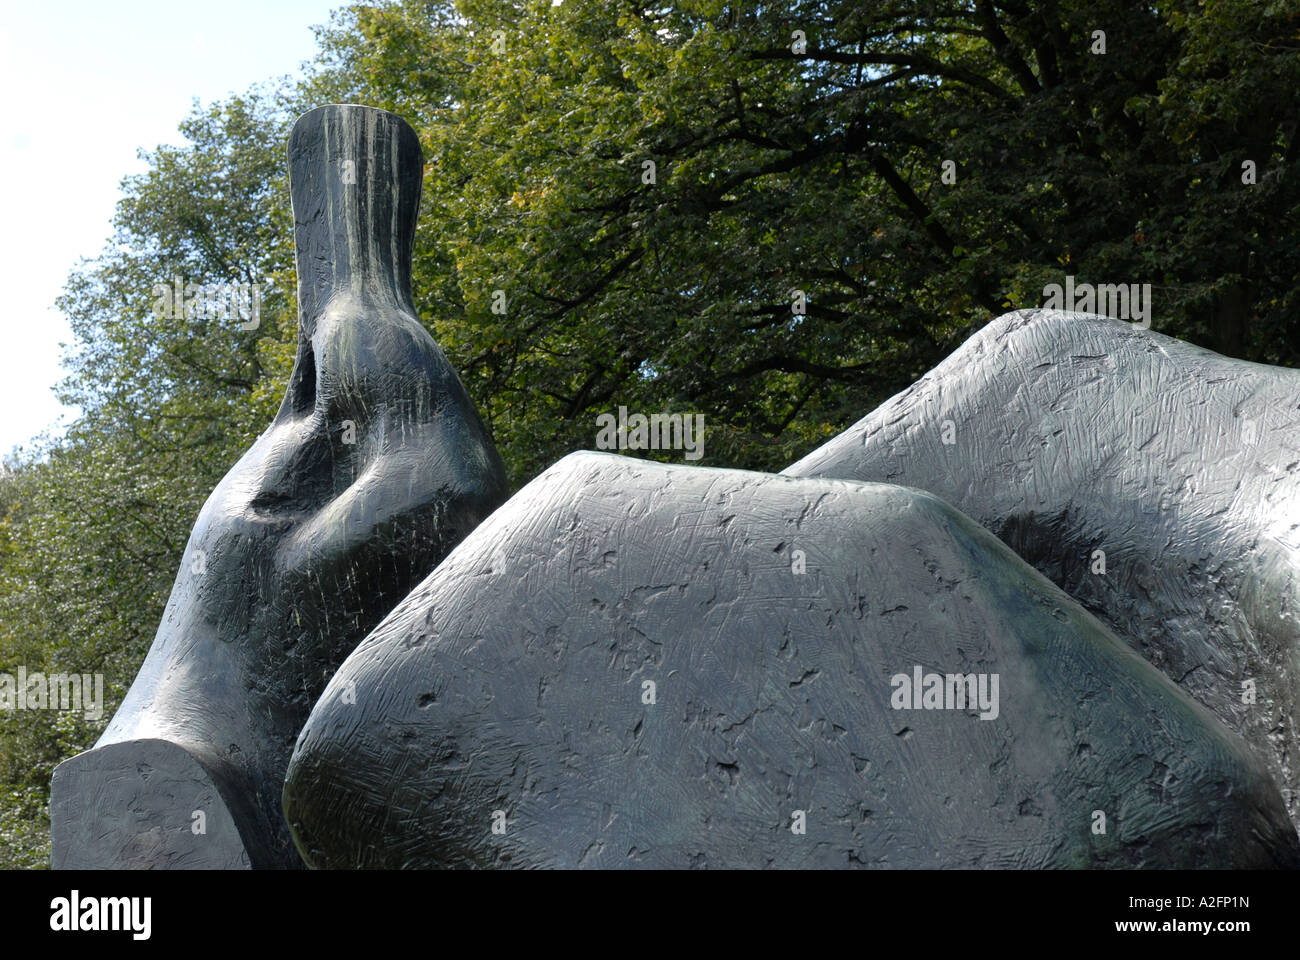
(375, 466)
(501, 715)
(1072, 434)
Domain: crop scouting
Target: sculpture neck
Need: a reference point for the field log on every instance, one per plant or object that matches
(354, 178)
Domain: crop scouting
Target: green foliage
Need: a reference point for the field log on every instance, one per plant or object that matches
(773, 172)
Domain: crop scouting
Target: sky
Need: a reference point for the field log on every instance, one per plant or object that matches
(87, 83)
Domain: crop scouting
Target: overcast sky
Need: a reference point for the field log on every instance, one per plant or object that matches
(86, 83)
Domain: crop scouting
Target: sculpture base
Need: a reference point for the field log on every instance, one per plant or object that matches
(140, 805)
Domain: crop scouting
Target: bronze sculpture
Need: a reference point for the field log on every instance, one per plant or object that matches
(822, 654)
(375, 466)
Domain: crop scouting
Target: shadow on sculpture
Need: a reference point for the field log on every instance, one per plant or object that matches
(375, 466)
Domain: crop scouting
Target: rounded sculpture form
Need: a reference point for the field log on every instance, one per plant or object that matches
(639, 665)
(1155, 482)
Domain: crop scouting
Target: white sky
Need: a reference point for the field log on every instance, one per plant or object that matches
(86, 83)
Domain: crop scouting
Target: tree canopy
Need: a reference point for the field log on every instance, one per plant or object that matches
(773, 214)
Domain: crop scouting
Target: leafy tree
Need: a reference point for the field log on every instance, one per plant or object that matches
(801, 147)
(774, 214)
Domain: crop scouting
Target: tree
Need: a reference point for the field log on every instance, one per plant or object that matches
(776, 215)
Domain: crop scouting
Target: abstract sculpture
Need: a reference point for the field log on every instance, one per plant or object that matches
(375, 466)
(632, 664)
(1155, 482)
